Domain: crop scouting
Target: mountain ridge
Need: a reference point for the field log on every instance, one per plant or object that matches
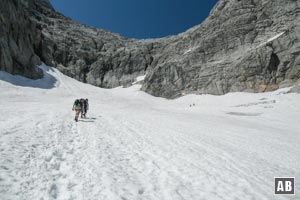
(230, 51)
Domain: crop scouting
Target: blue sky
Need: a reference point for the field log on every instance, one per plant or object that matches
(137, 18)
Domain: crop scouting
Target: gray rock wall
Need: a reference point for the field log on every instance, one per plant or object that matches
(17, 36)
(91, 55)
(229, 52)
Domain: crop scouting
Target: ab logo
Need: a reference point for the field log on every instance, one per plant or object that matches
(284, 185)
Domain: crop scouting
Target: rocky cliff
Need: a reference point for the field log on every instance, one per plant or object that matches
(244, 45)
(17, 39)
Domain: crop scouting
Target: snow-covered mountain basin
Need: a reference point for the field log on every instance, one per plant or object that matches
(135, 146)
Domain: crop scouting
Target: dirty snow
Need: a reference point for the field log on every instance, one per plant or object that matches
(135, 146)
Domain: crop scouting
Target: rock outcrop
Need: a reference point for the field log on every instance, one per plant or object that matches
(244, 45)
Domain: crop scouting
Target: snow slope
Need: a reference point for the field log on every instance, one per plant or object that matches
(134, 146)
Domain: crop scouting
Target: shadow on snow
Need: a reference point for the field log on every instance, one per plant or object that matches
(47, 82)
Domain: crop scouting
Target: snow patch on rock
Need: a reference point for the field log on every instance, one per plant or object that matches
(271, 39)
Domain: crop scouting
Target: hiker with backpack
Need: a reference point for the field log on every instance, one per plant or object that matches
(85, 108)
(77, 106)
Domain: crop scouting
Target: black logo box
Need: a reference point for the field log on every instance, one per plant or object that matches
(284, 181)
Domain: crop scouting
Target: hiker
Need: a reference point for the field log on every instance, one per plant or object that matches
(85, 108)
(77, 106)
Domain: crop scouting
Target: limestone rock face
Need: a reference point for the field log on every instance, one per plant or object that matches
(17, 37)
(244, 45)
(88, 54)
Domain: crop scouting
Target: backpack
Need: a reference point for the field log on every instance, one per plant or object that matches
(77, 102)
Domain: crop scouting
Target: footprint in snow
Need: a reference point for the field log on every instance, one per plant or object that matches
(53, 191)
(141, 191)
(244, 114)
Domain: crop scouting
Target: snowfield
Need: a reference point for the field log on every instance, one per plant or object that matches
(134, 146)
